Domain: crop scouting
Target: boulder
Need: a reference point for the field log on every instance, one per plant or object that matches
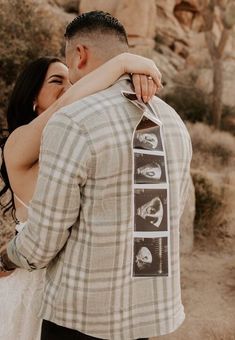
(179, 48)
(140, 29)
(98, 5)
(48, 15)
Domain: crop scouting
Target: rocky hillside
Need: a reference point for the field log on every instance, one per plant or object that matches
(170, 31)
(173, 33)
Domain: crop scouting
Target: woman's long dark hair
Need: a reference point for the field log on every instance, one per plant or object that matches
(20, 111)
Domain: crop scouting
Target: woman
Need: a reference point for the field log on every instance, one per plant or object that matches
(38, 93)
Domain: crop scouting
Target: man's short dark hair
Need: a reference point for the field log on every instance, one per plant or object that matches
(96, 21)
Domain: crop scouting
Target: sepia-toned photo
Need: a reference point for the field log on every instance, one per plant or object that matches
(150, 257)
(104, 104)
(151, 210)
(149, 169)
(147, 136)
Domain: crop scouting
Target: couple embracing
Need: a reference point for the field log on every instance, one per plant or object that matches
(72, 256)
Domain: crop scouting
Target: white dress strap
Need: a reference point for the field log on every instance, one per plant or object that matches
(19, 200)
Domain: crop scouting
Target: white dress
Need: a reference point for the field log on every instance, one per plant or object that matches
(20, 296)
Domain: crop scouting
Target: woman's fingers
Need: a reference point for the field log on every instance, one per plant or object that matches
(136, 84)
(145, 87)
(152, 89)
(159, 77)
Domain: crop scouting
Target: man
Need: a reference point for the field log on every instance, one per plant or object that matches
(80, 221)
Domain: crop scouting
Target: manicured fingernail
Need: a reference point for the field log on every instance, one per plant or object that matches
(145, 98)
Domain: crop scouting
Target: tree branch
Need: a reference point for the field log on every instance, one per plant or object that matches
(213, 50)
(223, 40)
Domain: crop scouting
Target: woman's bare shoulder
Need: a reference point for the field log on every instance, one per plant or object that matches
(12, 140)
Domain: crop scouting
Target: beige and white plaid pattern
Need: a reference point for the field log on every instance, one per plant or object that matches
(80, 227)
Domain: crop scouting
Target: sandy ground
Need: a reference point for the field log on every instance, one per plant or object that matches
(208, 292)
(208, 284)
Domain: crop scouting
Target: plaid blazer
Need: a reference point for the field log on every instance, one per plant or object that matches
(80, 228)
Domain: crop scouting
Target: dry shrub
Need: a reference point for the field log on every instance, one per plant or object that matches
(210, 224)
(212, 149)
(190, 103)
(212, 164)
(22, 37)
(29, 29)
(70, 6)
(194, 105)
(228, 119)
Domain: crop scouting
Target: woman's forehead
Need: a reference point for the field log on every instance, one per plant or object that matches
(57, 68)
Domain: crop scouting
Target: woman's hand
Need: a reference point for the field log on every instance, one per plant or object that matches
(145, 87)
(146, 76)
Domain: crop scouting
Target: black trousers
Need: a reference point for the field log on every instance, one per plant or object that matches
(51, 331)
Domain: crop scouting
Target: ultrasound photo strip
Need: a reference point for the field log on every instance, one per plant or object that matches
(150, 196)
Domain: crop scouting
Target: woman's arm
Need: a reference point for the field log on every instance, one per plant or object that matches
(23, 145)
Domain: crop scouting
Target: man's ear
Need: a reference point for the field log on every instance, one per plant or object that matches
(83, 55)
